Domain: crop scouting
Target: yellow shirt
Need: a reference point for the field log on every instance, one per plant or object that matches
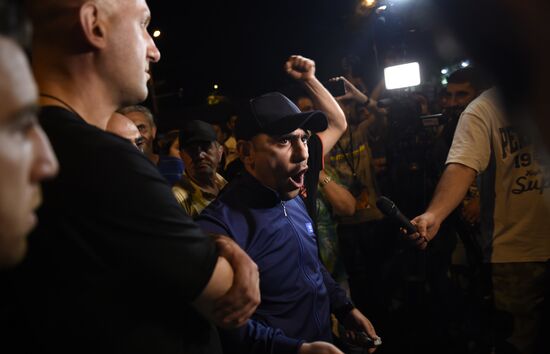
(192, 198)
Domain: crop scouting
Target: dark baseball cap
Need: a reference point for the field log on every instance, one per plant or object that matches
(196, 131)
(274, 114)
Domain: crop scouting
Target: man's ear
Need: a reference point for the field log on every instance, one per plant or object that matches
(244, 149)
(221, 149)
(92, 25)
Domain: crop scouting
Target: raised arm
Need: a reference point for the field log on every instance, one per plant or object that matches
(303, 70)
(353, 93)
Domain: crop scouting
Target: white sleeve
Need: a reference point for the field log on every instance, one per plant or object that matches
(472, 140)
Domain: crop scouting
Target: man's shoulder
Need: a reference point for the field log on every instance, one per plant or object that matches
(180, 192)
(486, 106)
(184, 186)
(231, 201)
(77, 143)
(67, 130)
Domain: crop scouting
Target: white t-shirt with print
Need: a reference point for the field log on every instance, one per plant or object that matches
(512, 180)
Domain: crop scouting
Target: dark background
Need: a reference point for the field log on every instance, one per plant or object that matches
(242, 45)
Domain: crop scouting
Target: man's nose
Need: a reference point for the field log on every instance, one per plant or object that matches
(452, 101)
(153, 53)
(300, 152)
(45, 163)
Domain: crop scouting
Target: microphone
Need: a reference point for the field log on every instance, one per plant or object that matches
(388, 208)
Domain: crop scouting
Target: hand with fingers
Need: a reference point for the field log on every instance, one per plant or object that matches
(234, 308)
(300, 68)
(354, 323)
(427, 227)
(352, 92)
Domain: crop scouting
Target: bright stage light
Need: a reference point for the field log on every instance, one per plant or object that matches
(368, 3)
(444, 71)
(400, 76)
(156, 33)
(465, 64)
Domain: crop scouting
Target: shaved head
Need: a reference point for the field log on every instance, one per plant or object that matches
(122, 126)
(102, 45)
(58, 21)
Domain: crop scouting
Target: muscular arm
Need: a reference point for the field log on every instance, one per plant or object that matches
(450, 191)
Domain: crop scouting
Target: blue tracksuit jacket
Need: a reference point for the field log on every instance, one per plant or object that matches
(297, 292)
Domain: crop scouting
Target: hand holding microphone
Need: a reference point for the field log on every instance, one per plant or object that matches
(415, 230)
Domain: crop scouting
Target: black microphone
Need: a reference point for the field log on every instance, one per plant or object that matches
(388, 208)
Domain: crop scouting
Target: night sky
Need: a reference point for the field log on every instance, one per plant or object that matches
(242, 45)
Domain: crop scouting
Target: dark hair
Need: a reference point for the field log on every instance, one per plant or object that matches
(472, 75)
(165, 141)
(14, 23)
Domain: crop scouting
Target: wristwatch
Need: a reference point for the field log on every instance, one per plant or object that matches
(325, 181)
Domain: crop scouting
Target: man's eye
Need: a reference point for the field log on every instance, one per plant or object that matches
(284, 141)
(25, 124)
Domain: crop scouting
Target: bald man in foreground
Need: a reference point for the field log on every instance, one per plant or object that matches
(116, 266)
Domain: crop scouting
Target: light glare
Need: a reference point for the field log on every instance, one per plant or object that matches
(156, 33)
(368, 3)
(400, 76)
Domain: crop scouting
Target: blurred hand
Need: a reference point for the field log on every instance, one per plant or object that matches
(427, 227)
(354, 322)
(352, 92)
(300, 68)
(318, 348)
(234, 308)
(471, 211)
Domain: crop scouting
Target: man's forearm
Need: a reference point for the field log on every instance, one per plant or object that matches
(219, 284)
(324, 101)
(340, 199)
(233, 293)
(450, 190)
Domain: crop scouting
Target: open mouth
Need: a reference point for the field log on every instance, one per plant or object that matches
(298, 179)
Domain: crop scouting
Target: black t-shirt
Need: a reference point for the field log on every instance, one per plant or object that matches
(114, 262)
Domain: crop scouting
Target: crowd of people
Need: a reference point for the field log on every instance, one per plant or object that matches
(259, 232)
